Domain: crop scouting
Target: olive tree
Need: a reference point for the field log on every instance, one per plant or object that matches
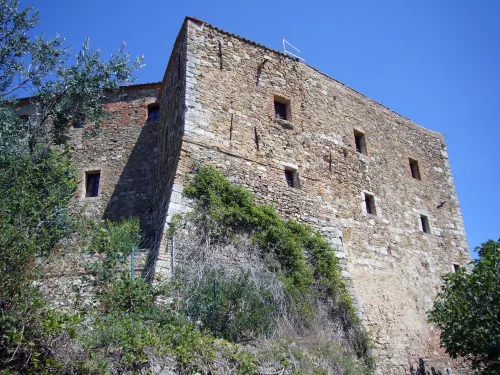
(60, 91)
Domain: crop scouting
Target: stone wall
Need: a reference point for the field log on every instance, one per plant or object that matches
(231, 85)
(173, 108)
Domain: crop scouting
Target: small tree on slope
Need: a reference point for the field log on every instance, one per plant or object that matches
(467, 310)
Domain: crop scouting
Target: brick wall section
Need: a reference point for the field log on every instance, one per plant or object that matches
(394, 266)
(125, 154)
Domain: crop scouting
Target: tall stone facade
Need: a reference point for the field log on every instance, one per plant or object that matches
(378, 186)
(394, 255)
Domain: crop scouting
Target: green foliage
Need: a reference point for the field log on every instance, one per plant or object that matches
(28, 329)
(110, 244)
(34, 193)
(230, 306)
(35, 189)
(306, 259)
(467, 310)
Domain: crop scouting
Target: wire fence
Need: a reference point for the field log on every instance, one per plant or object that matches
(66, 276)
(142, 259)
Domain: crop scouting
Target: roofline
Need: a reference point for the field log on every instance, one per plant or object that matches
(143, 86)
(137, 86)
(248, 41)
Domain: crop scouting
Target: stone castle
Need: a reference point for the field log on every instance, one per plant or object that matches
(376, 185)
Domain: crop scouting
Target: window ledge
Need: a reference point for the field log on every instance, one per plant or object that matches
(370, 216)
(363, 157)
(284, 123)
(91, 199)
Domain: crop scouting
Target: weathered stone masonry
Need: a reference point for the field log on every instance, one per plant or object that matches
(217, 107)
(124, 153)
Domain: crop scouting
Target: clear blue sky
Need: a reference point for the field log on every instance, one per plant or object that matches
(435, 62)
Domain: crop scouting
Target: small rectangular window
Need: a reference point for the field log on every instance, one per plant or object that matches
(370, 204)
(424, 223)
(92, 183)
(456, 267)
(292, 178)
(281, 109)
(415, 171)
(359, 139)
(154, 113)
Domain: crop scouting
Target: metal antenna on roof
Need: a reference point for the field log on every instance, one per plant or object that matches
(284, 42)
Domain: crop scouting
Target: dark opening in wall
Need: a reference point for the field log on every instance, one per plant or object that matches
(415, 171)
(281, 108)
(79, 121)
(153, 112)
(292, 178)
(92, 179)
(360, 140)
(424, 222)
(456, 267)
(370, 204)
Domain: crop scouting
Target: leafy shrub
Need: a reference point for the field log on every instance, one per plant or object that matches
(110, 244)
(308, 262)
(230, 306)
(467, 310)
(35, 190)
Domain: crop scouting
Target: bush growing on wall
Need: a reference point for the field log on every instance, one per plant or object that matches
(305, 259)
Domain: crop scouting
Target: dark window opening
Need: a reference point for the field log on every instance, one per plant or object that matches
(154, 113)
(415, 171)
(92, 183)
(281, 110)
(370, 204)
(24, 118)
(79, 121)
(359, 139)
(292, 178)
(424, 222)
(456, 267)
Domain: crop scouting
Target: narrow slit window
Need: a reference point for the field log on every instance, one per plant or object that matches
(456, 267)
(370, 204)
(424, 223)
(360, 140)
(292, 178)
(281, 109)
(92, 183)
(415, 171)
(153, 113)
